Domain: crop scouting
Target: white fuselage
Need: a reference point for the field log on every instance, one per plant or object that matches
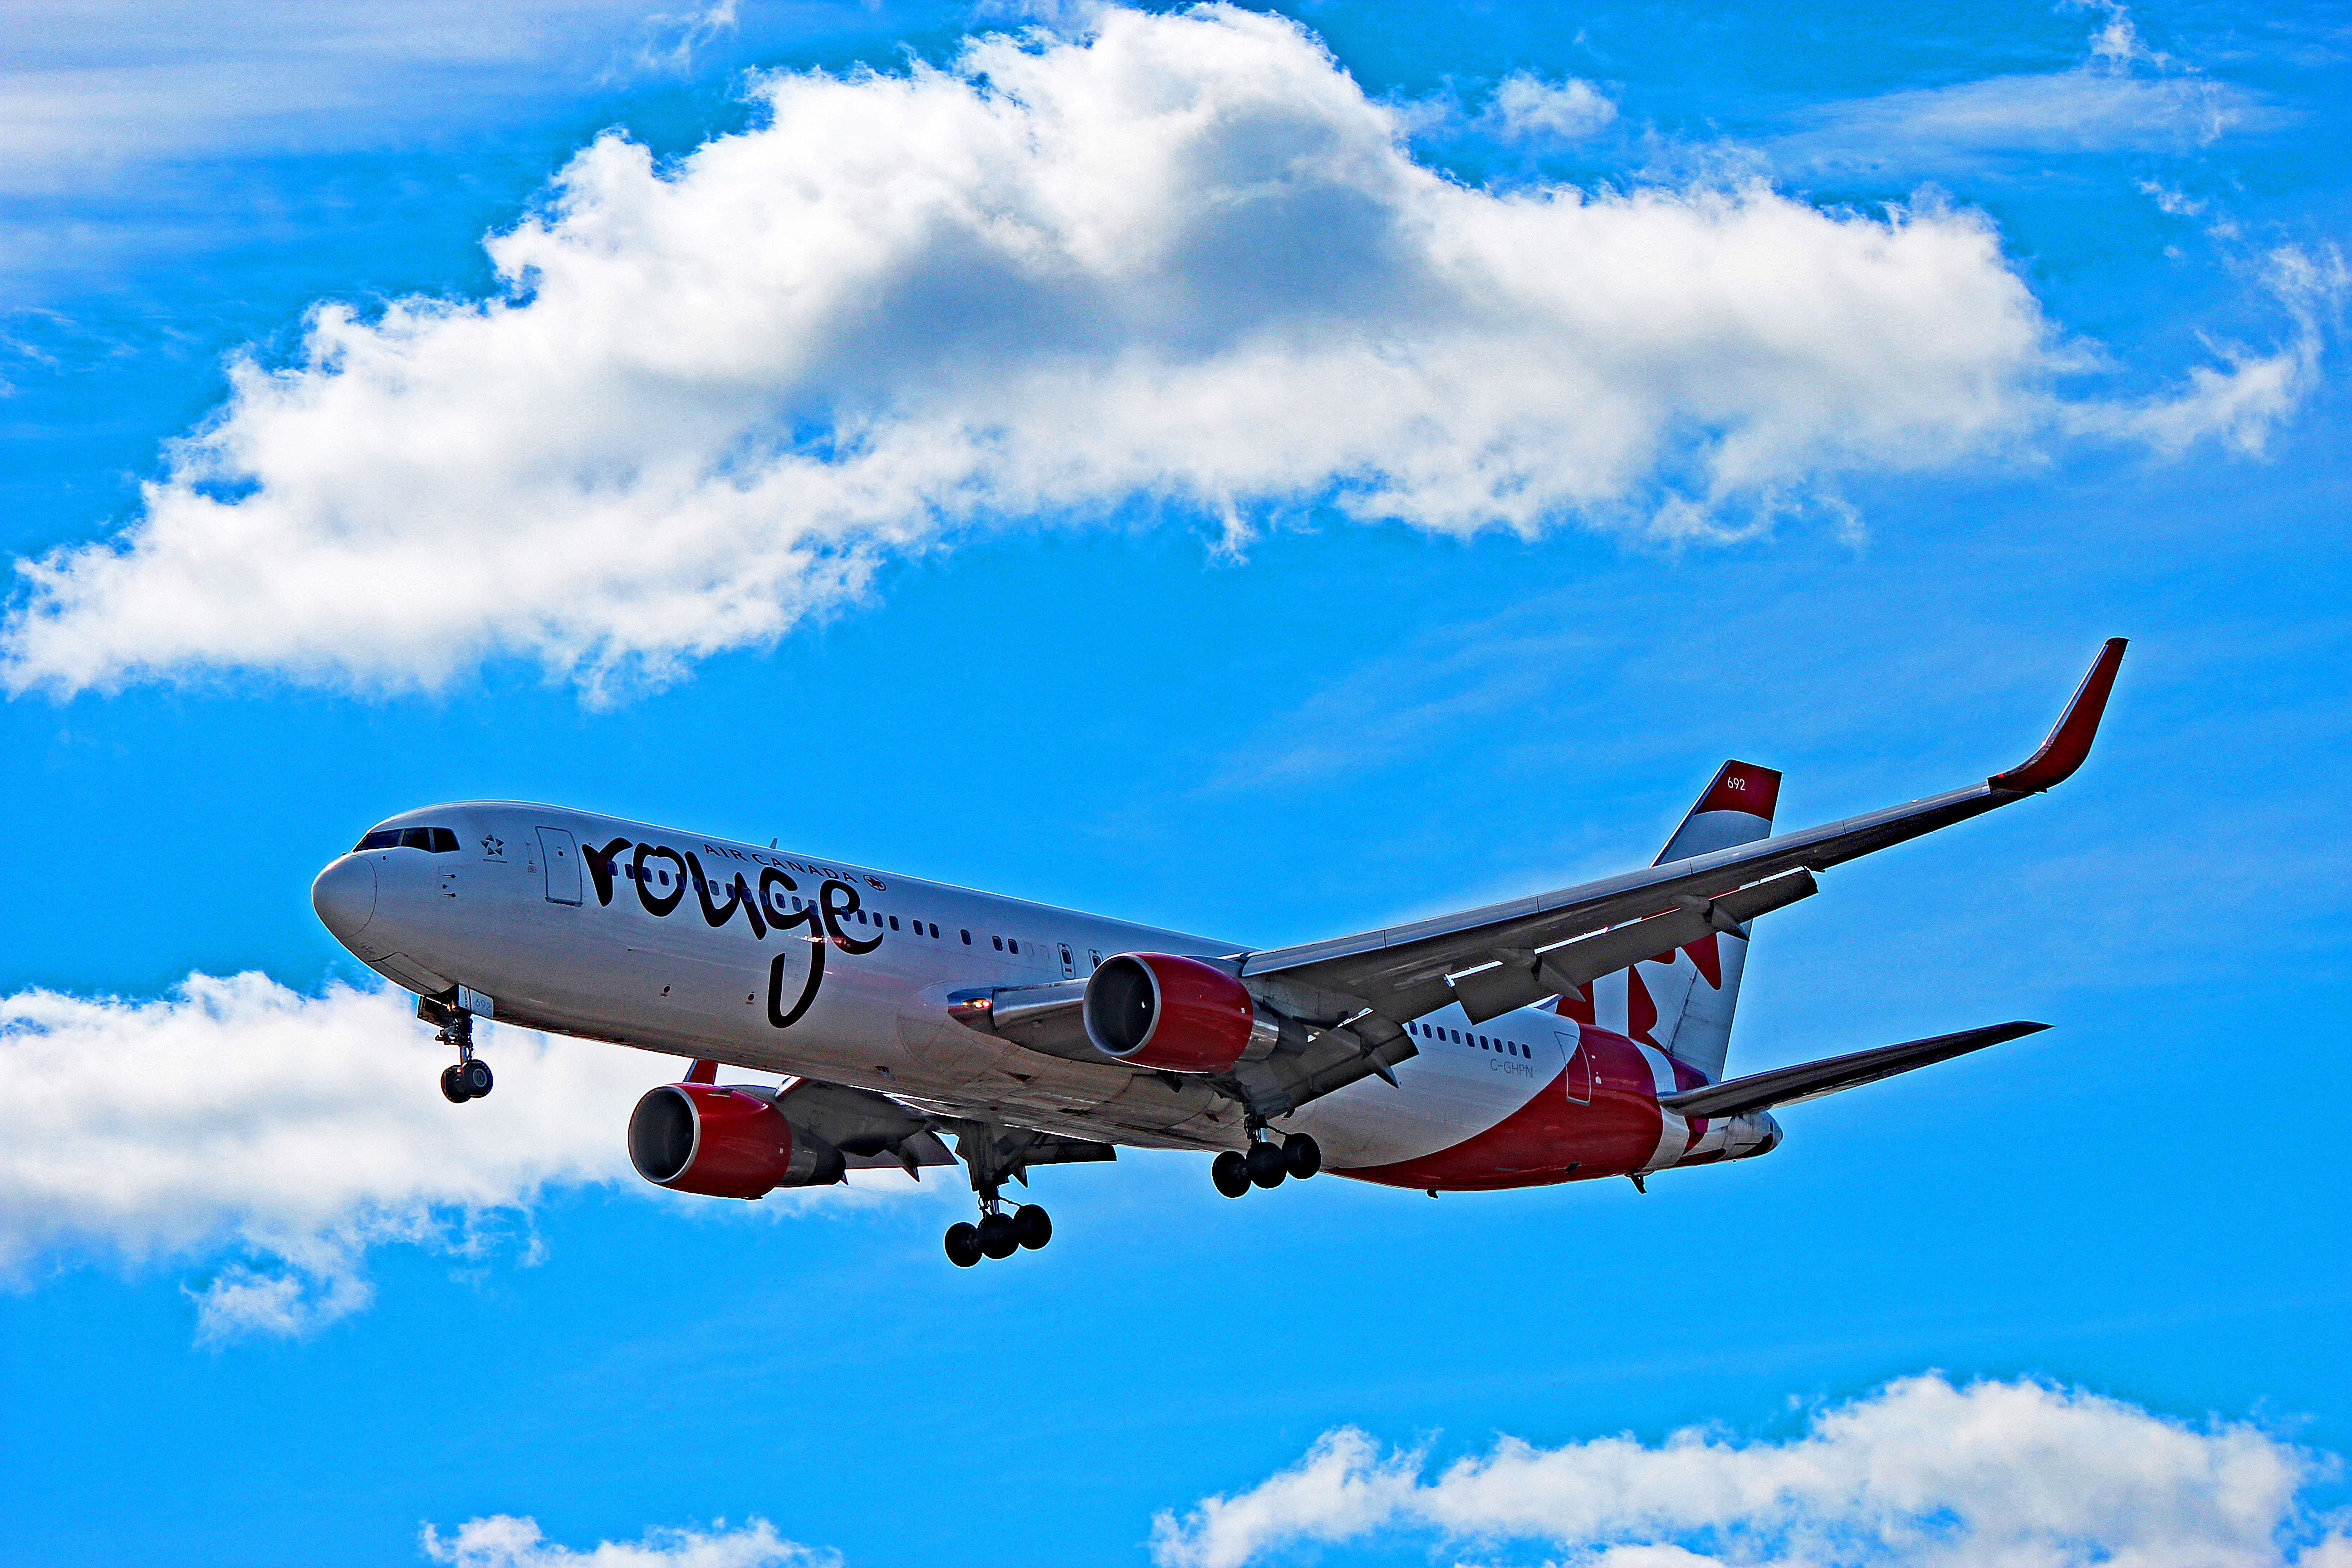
(551, 914)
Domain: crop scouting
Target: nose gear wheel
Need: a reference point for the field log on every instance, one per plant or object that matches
(469, 1077)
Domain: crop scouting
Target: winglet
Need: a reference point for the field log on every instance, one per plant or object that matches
(2070, 743)
(704, 1070)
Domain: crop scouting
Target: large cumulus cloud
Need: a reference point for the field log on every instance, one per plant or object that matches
(1182, 260)
(279, 1135)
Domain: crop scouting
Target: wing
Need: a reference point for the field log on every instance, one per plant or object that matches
(1405, 971)
(1809, 1081)
(1344, 1002)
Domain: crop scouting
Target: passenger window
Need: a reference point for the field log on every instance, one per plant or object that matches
(999, 941)
(894, 922)
(1014, 942)
(1458, 1035)
(967, 939)
(935, 931)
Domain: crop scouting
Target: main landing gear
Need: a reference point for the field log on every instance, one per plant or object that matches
(1266, 1164)
(991, 1153)
(998, 1233)
(468, 1078)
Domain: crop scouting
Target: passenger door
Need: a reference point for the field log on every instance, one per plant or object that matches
(1579, 1068)
(562, 858)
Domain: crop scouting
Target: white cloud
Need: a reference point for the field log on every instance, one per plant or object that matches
(1183, 260)
(1527, 108)
(1920, 1474)
(2243, 398)
(669, 41)
(88, 88)
(503, 1540)
(2124, 97)
(296, 1130)
(2085, 111)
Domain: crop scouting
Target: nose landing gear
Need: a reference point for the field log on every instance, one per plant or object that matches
(469, 1077)
(1267, 1164)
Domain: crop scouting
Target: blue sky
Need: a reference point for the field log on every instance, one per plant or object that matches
(1829, 381)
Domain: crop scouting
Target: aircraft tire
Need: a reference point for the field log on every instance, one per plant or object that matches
(477, 1078)
(1031, 1227)
(1301, 1155)
(1231, 1172)
(997, 1237)
(963, 1244)
(1265, 1164)
(453, 1085)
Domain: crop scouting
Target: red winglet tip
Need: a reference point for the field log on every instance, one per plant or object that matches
(2070, 743)
(705, 1070)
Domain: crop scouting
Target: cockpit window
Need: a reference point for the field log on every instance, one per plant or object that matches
(432, 840)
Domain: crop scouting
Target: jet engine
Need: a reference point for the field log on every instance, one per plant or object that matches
(725, 1143)
(1173, 1015)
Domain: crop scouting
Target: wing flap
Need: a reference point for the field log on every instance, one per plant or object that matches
(1517, 979)
(1808, 1080)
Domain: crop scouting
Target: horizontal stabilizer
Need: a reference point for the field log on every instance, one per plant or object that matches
(1808, 1080)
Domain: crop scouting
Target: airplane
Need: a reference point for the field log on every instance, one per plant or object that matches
(1571, 1036)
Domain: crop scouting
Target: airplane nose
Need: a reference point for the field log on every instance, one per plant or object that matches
(344, 896)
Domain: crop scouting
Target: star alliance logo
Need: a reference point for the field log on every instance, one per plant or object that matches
(496, 848)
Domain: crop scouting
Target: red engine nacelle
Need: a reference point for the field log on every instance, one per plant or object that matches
(1172, 1015)
(724, 1144)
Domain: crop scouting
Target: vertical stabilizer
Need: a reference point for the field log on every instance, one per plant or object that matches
(1681, 1000)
